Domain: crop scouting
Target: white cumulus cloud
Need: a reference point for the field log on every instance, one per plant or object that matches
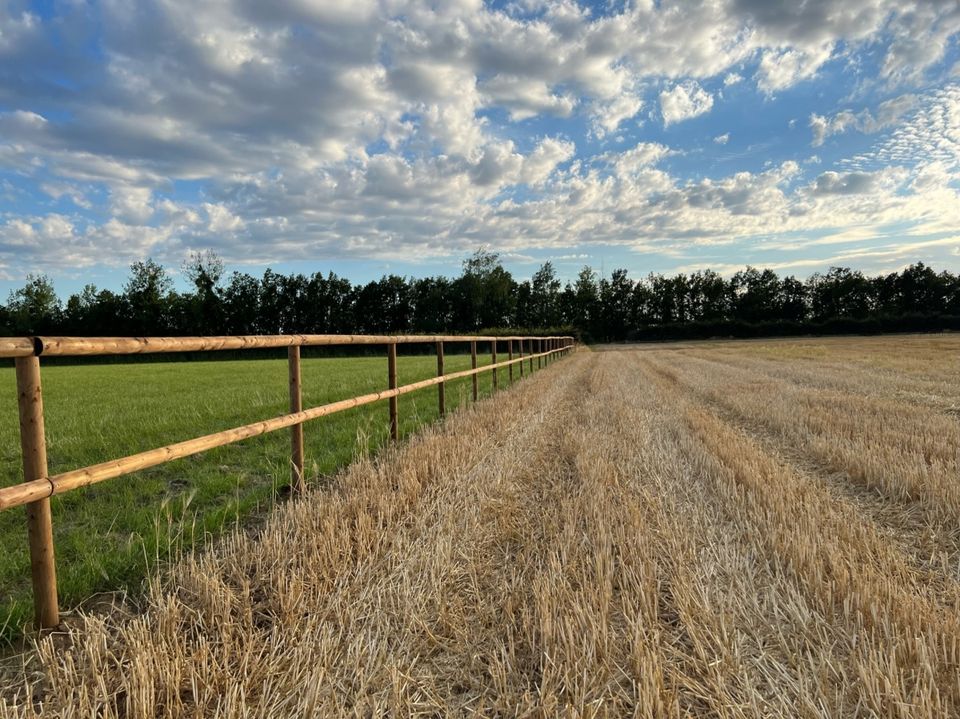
(684, 101)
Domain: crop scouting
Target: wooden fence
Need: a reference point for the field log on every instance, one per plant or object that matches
(38, 486)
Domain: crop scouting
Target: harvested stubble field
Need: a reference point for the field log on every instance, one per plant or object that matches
(109, 536)
(736, 529)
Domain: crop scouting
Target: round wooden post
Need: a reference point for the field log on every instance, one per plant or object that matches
(510, 357)
(530, 343)
(441, 392)
(520, 344)
(473, 364)
(297, 482)
(493, 360)
(392, 382)
(33, 445)
(539, 353)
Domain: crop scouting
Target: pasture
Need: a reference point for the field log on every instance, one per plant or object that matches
(109, 536)
(743, 529)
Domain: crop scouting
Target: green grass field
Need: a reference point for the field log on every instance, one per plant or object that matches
(108, 536)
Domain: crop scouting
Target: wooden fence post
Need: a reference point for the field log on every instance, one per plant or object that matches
(297, 483)
(510, 357)
(33, 445)
(473, 364)
(539, 353)
(493, 360)
(392, 382)
(520, 343)
(530, 343)
(441, 392)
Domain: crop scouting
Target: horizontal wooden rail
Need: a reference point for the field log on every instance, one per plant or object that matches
(60, 483)
(38, 487)
(95, 346)
(16, 347)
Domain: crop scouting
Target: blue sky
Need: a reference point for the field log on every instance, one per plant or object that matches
(373, 137)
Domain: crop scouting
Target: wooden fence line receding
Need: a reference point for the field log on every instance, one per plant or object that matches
(94, 346)
(38, 486)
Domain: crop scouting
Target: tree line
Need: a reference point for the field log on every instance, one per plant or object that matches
(486, 297)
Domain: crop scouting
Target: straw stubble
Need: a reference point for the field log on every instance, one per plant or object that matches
(629, 534)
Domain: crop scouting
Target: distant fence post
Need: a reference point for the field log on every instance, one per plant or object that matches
(493, 360)
(33, 444)
(530, 345)
(539, 352)
(297, 483)
(441, 391)
(520, 343)
(473, 364)
(510, 357)
(392, 382)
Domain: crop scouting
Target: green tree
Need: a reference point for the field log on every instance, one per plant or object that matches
(241, 302)
(147, 292)
(756, 294)
(586, 301)
(34, 308)
(484, 293)
(614, 309)
(204, 270)
(432, 305)
(544, 307)
(840, 292)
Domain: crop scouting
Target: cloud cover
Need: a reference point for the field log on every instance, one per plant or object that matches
(308, 130)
